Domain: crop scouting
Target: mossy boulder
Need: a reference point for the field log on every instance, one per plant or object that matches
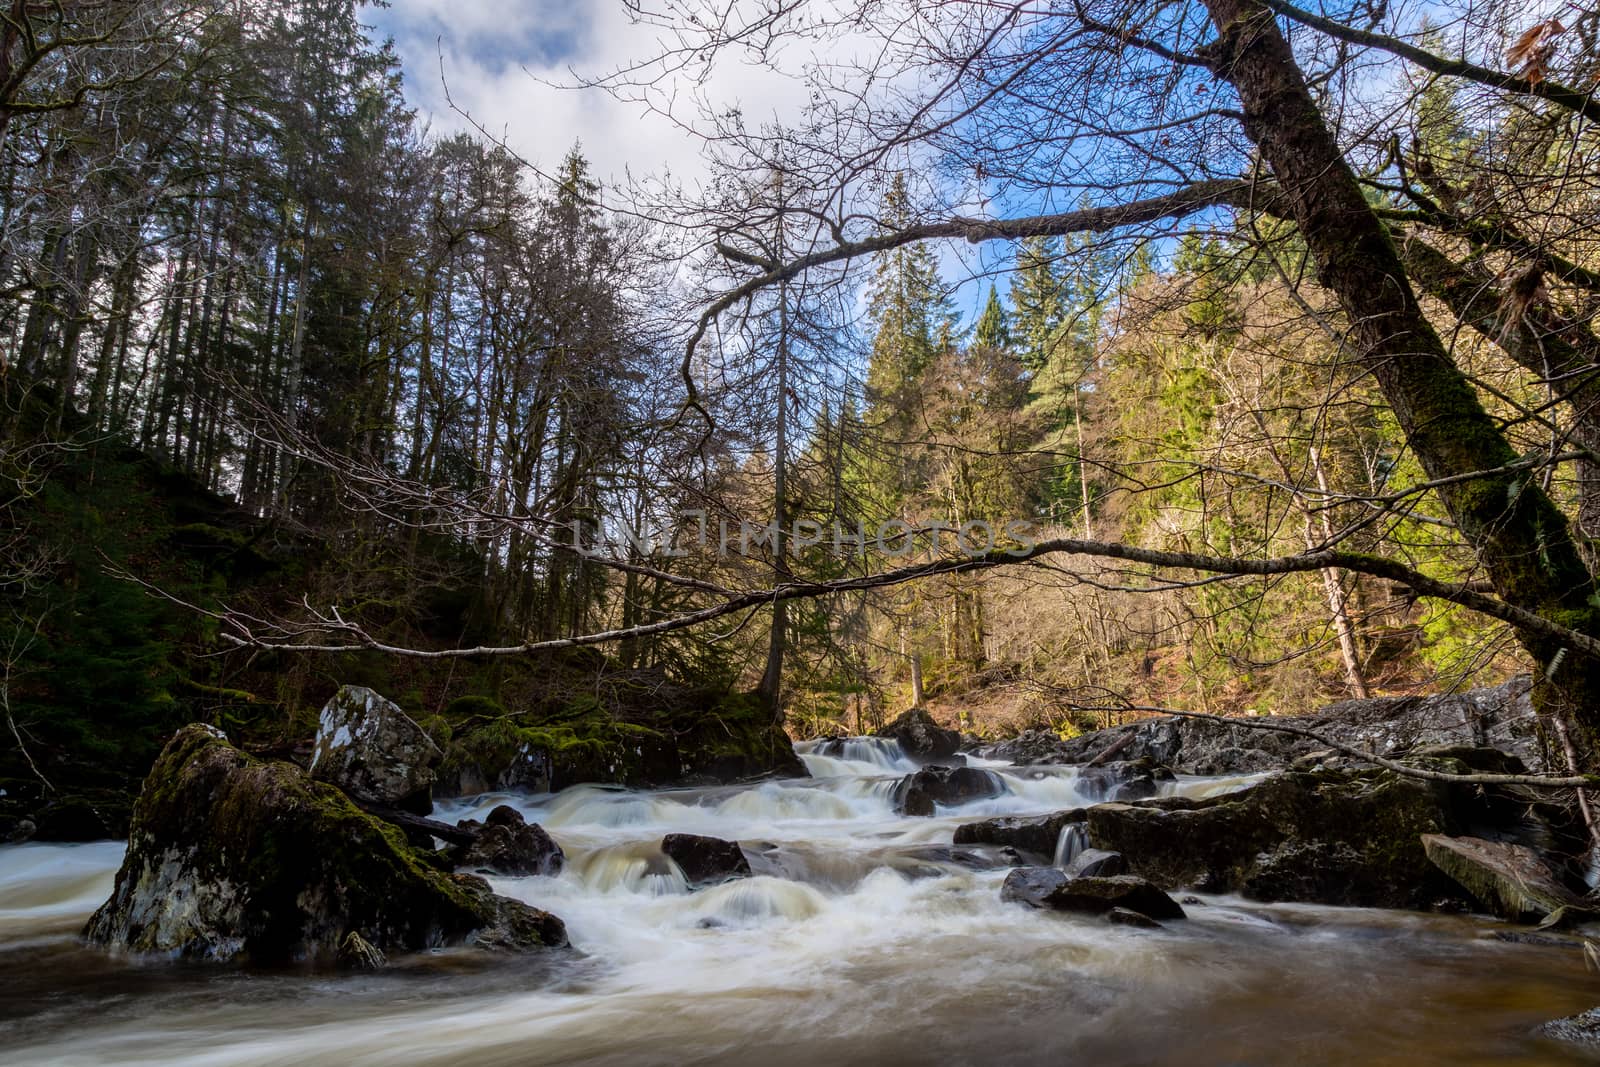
(234, 858)
(1331, 837)
(731, 740)
(372, 750)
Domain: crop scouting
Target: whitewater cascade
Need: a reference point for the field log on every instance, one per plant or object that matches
(861, 936)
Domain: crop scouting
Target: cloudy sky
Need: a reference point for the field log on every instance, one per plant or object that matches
(497, 56)
(504, 62)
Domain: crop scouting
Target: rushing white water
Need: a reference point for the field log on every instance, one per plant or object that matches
(863, 937)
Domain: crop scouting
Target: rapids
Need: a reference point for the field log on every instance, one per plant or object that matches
(858, 940)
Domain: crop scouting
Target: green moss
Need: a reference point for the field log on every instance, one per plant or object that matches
(474, 706)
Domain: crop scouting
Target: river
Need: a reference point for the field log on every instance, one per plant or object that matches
(858, 941)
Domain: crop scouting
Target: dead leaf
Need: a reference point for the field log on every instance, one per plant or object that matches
(1532, 51)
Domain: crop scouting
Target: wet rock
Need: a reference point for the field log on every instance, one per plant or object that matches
(974, 858)
(1126, 917)
(231, 858)
(1049, 887)
(1333, 837)
(1136, 779)
(918, 793)
(1522, 937)
(1027, 749)
(510, 845)
(706, 861)
(1510, 880)
(1580, 1030)
(1097, 863)
(1033, 886)
(924, 740)
(1036, 834)
(373, 751)
(1124, 891)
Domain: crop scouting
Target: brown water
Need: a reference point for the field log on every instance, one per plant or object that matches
(855, 943)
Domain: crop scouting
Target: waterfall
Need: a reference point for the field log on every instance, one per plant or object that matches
(1074, 838)
(838, 757)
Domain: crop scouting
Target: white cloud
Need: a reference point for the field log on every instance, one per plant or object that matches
(503, 63)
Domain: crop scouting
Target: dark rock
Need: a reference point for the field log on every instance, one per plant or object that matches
(701, 749)
(924, 740)
(373, 751)
(706, 860)
(1036, 834)
(1333, 837)
(231, 857)
(1033, 886)
(1027, 749)
(71, 819)
(1136, 779)
(974, 858)
(1048, 887)
(1580, 1030)
(1119, 891)
(1234, 759)
(1470, 758)
(1097, 863)
(510, 845)
(1126, 917)
(1523, 937)
(1500, 718)
(1510, 880)
(916, 794)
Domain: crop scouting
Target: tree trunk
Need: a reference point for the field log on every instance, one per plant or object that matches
(1520, 538)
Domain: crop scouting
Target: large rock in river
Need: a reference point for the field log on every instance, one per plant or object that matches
(1038, 834)
(1055, 889)
(917, 794)
(1332, 837)
(1508, 879)
(706, 860)
(508, 844)
(234, 858)
(922, 739)
(373, 751)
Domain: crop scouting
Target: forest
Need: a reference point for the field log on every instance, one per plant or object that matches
(1186, 400)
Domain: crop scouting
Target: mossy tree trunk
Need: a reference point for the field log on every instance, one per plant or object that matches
(1521, 540)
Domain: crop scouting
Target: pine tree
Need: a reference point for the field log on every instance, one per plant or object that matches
(1037, 300)
(994, 325)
